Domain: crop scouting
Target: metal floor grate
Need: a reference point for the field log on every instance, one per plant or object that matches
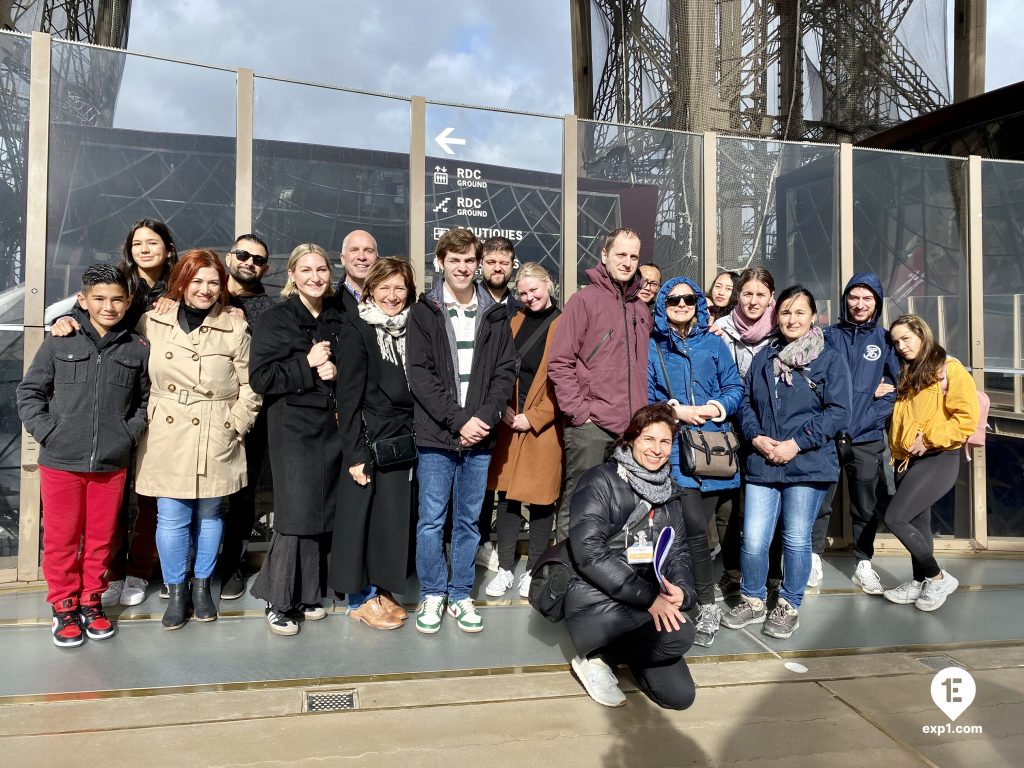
(329, 701)
(937, 663)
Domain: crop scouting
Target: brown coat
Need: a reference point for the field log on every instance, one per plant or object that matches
(200, 406)
(528, 465)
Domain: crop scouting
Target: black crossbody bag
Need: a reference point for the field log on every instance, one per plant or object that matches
(703, 452)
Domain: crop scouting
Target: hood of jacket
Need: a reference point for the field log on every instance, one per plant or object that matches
(870, 281)
(662, 329)
(599, 276)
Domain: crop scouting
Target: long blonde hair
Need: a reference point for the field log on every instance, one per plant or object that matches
(297, 253)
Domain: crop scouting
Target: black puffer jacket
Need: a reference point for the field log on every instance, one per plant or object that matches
(609, 597)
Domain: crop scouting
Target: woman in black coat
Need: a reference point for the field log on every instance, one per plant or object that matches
(616, 610)
(372, 553)
(292, 364)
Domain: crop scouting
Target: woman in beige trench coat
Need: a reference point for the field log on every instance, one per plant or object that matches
(526, 464)
(200, 406)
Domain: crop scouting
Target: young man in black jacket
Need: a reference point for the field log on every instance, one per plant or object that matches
(461, 367)
(84, 400)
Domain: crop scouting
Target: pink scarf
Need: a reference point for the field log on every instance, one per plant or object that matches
(752, 333)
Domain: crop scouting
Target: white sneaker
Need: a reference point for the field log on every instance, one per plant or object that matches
(935, 591)
(112, 594)
(599, 681)
(866, 578)
(134, 591)
(487, 556)
(905, 594)
(817, 574)
(524, 584)
(499, 585)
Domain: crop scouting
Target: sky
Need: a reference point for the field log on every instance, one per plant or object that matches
(513, 54)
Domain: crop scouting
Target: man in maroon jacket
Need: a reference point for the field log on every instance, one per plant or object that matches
(598, 361)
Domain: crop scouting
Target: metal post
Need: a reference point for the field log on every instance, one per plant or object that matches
(570, 205)
(1018, 358)
(844, 201)
(976, 313)
(244, 98)
(35, 290)
(709, 205)
(418, 188)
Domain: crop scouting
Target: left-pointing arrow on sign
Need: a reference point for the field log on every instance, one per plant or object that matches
(445, 139)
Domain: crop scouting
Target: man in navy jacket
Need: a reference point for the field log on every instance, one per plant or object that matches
(866, 346)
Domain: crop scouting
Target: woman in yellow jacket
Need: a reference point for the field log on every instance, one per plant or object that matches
(936, 411)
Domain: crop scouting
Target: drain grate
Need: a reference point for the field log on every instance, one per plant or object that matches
(937, 663)
(329, 701)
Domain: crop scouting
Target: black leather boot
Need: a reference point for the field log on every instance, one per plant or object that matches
(179, 607)
(205, 609)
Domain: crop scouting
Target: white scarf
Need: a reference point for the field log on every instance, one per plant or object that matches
(390, 331)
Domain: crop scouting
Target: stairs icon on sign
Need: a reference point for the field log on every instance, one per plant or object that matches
(442, 206)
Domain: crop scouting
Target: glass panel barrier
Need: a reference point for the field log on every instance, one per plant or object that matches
(15, 68)
(909, 227)
(317, 179)
(777, 208)
(1002, 193)
(132, 138)
(499, 174)
(648, 180)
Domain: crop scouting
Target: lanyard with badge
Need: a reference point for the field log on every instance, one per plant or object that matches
(640, 545)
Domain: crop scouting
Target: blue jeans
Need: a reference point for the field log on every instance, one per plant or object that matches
(798, 505)
(461, 477)
(181, 522)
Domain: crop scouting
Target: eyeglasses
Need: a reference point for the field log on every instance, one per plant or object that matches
(259, 261)
(651, 284)
(681, 298)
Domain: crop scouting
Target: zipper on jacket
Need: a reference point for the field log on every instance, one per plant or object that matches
(96, 414)
(600, 344)
(625, 346)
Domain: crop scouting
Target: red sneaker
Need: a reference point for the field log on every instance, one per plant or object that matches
(97, 625)
(67, 632)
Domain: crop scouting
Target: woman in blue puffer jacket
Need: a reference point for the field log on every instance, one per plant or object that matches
(694, 371)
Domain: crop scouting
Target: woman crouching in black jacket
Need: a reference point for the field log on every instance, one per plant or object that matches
(615, 609)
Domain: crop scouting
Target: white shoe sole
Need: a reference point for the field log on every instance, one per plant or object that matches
(135, 599)
(586, 686)
(781, 635)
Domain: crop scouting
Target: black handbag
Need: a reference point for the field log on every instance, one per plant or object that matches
(389, 451)
(844, 443)
(703, 452)
(549, 581)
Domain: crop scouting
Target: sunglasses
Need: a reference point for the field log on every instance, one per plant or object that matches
(681, 298)
(259, 261)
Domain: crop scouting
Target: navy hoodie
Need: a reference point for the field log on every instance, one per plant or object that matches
(871, 357)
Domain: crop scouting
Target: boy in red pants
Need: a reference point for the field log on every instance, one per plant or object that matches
(84, 400)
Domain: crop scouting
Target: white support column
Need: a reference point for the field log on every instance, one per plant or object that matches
(418, 189)
(976, 313)
(244, 98)
(570, 203)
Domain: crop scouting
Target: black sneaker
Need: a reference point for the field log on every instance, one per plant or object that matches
(783, 621)
(727, 586)
(97, 625)
(234, 587)
(281, 622)
(66, 629)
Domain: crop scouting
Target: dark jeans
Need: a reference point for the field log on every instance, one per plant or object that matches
(136, 554)
(656, 661)
(509, 519)
(869, 496)
(909, 516)
(241, 511)
(698, 508)
(586, 446)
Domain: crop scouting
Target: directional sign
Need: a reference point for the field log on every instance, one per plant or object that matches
(445, 140)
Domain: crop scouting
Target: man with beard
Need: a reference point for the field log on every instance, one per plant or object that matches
(246, 262)
(358, 252)
(497, 269)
